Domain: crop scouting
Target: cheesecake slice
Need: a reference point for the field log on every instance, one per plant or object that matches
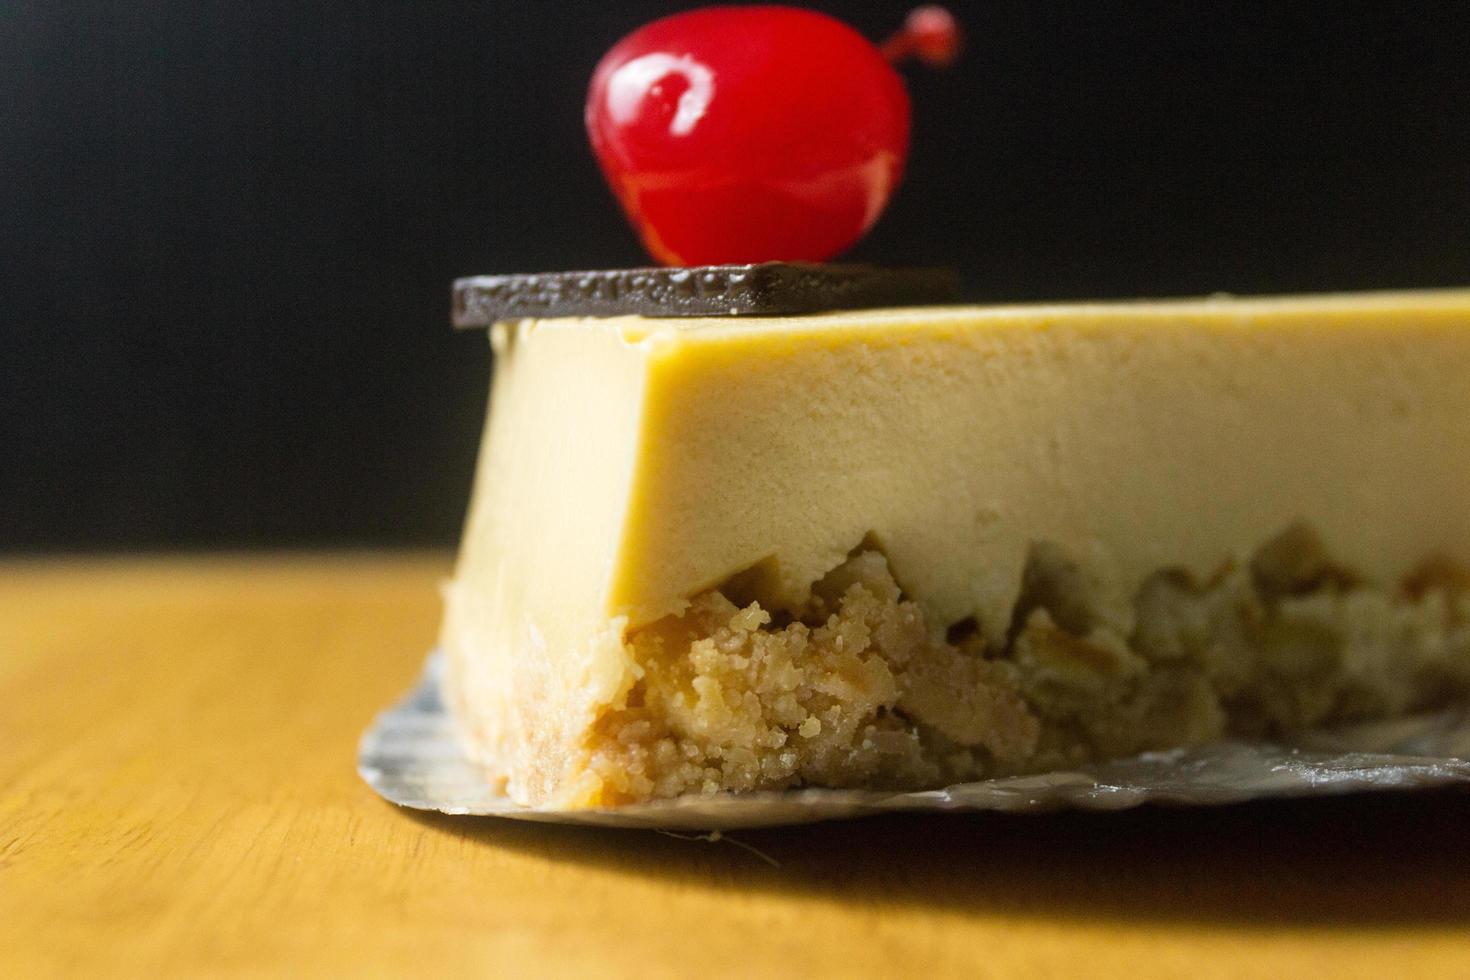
(902, 548)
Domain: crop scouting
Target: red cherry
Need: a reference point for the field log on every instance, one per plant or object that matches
(748, 134)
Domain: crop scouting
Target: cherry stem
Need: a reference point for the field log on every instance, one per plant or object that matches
(929, 33)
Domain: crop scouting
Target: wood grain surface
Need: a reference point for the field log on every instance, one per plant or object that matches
(177, 798)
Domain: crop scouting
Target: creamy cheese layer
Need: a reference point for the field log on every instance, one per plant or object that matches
(631, 464)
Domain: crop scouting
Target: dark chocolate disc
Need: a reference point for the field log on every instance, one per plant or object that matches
(767, 289)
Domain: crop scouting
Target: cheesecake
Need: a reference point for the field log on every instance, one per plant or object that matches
(902, 548)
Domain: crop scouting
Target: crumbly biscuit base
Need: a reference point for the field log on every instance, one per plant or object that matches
(858, 689)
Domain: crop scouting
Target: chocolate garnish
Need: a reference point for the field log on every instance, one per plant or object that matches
(766, 289)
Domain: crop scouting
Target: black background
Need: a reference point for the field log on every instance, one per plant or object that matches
(227, 230)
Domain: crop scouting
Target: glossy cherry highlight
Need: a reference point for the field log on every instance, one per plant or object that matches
(748, 134)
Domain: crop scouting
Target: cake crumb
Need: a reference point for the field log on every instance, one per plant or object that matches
(861, 689)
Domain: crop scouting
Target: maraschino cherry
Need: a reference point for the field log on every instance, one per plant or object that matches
(753, 134)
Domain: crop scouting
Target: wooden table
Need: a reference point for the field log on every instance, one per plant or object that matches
(177, 798)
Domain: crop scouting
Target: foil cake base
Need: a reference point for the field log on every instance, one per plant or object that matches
(410, 756)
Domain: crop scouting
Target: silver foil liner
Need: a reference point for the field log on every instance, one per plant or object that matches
(410, 756)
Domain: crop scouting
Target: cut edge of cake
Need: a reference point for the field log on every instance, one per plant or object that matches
(580, 678)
